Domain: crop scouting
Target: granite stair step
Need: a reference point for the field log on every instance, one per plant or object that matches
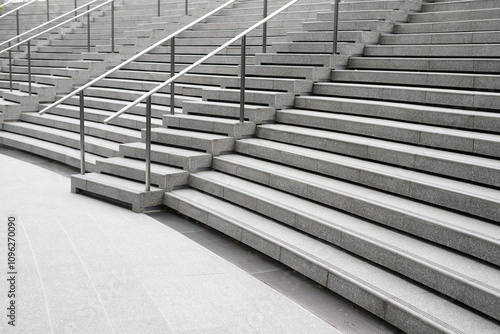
(189, 160)
(472, 25)
(428, 64)
(458, 165)
(164, 177)
(459, 5)
(481, 121)
(253, 113)
(94, 145)
(230, 127)
(119, 189)
(387, 295)
(417, 134)
(269, 98)
(201, 141)
(435, 189)
(54, 151)
(456, 15)
(432, 50)
(481, 37)
(425, 262)
(467, 99)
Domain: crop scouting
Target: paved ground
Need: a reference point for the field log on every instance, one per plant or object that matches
(86, 266)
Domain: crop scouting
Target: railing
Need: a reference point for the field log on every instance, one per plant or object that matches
(28, 41)
(82, 88)
(17, 14)
(172, 79)
(336, 26)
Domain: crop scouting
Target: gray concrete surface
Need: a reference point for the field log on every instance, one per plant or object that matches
(86, 266)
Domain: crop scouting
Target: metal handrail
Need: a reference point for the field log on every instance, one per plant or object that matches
(116, 68)
(8, 2)
(202, 60)
(48, 22)
(57, 26)
(18, 8)
(172, 79)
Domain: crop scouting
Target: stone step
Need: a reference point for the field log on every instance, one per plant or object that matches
(481, 37)
(431, 51)
(165, 177)
(448, 27)
(459, 5)
(437, 190)
(387, 295)
(425, 262)
(273, 99)
(256, 114)
(97, 146)
(427, 64)
(458, 15)
(126, 120)
(158, 108)
(421, 95)
(408, 112)
(304, 59)
(119, 189)
(207, 142)
(230, 127)
(105, 131)
(291, 85)
(189, 160)
(469, 142)
(318, 47)
(368, 37)
(453, 164)
(469, 81)
(390, 15)
(54, 151)
(296, 72)
(373, 25)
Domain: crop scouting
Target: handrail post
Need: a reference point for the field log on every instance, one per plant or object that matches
(88, 29)
(158, 8)
(75, 8)
(186, 8)
(17, 29)
(29, 67)
(335, 26)
(148, 144)
(172, 73)
(113, 27)
(82, 134)
(264, 29)
(48, 19)
(242, 79)
(10, 68)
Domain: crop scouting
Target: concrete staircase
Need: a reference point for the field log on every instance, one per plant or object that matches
(375, 171)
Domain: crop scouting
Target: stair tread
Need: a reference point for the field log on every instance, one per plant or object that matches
(141, 165)
(452, 263)
(373, 279)
(116, 182)
(168, 150)
(192, 134)
(459, 157)
(396, 203)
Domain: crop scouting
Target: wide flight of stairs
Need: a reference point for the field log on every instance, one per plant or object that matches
(375, 171)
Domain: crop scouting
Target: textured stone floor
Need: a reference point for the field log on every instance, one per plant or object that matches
(86, 266)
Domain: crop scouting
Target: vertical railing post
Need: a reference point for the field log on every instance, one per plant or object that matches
(242, 79)
(10, 68)
(172, 73)
(113, 27)
(17, 30)
(47, 10)
(82, 134)
(335, 26)
(148, 144)
(88, 30)
(75, 8)
(29, 67)
(264, 29)
(186, 8)
(158, 8)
